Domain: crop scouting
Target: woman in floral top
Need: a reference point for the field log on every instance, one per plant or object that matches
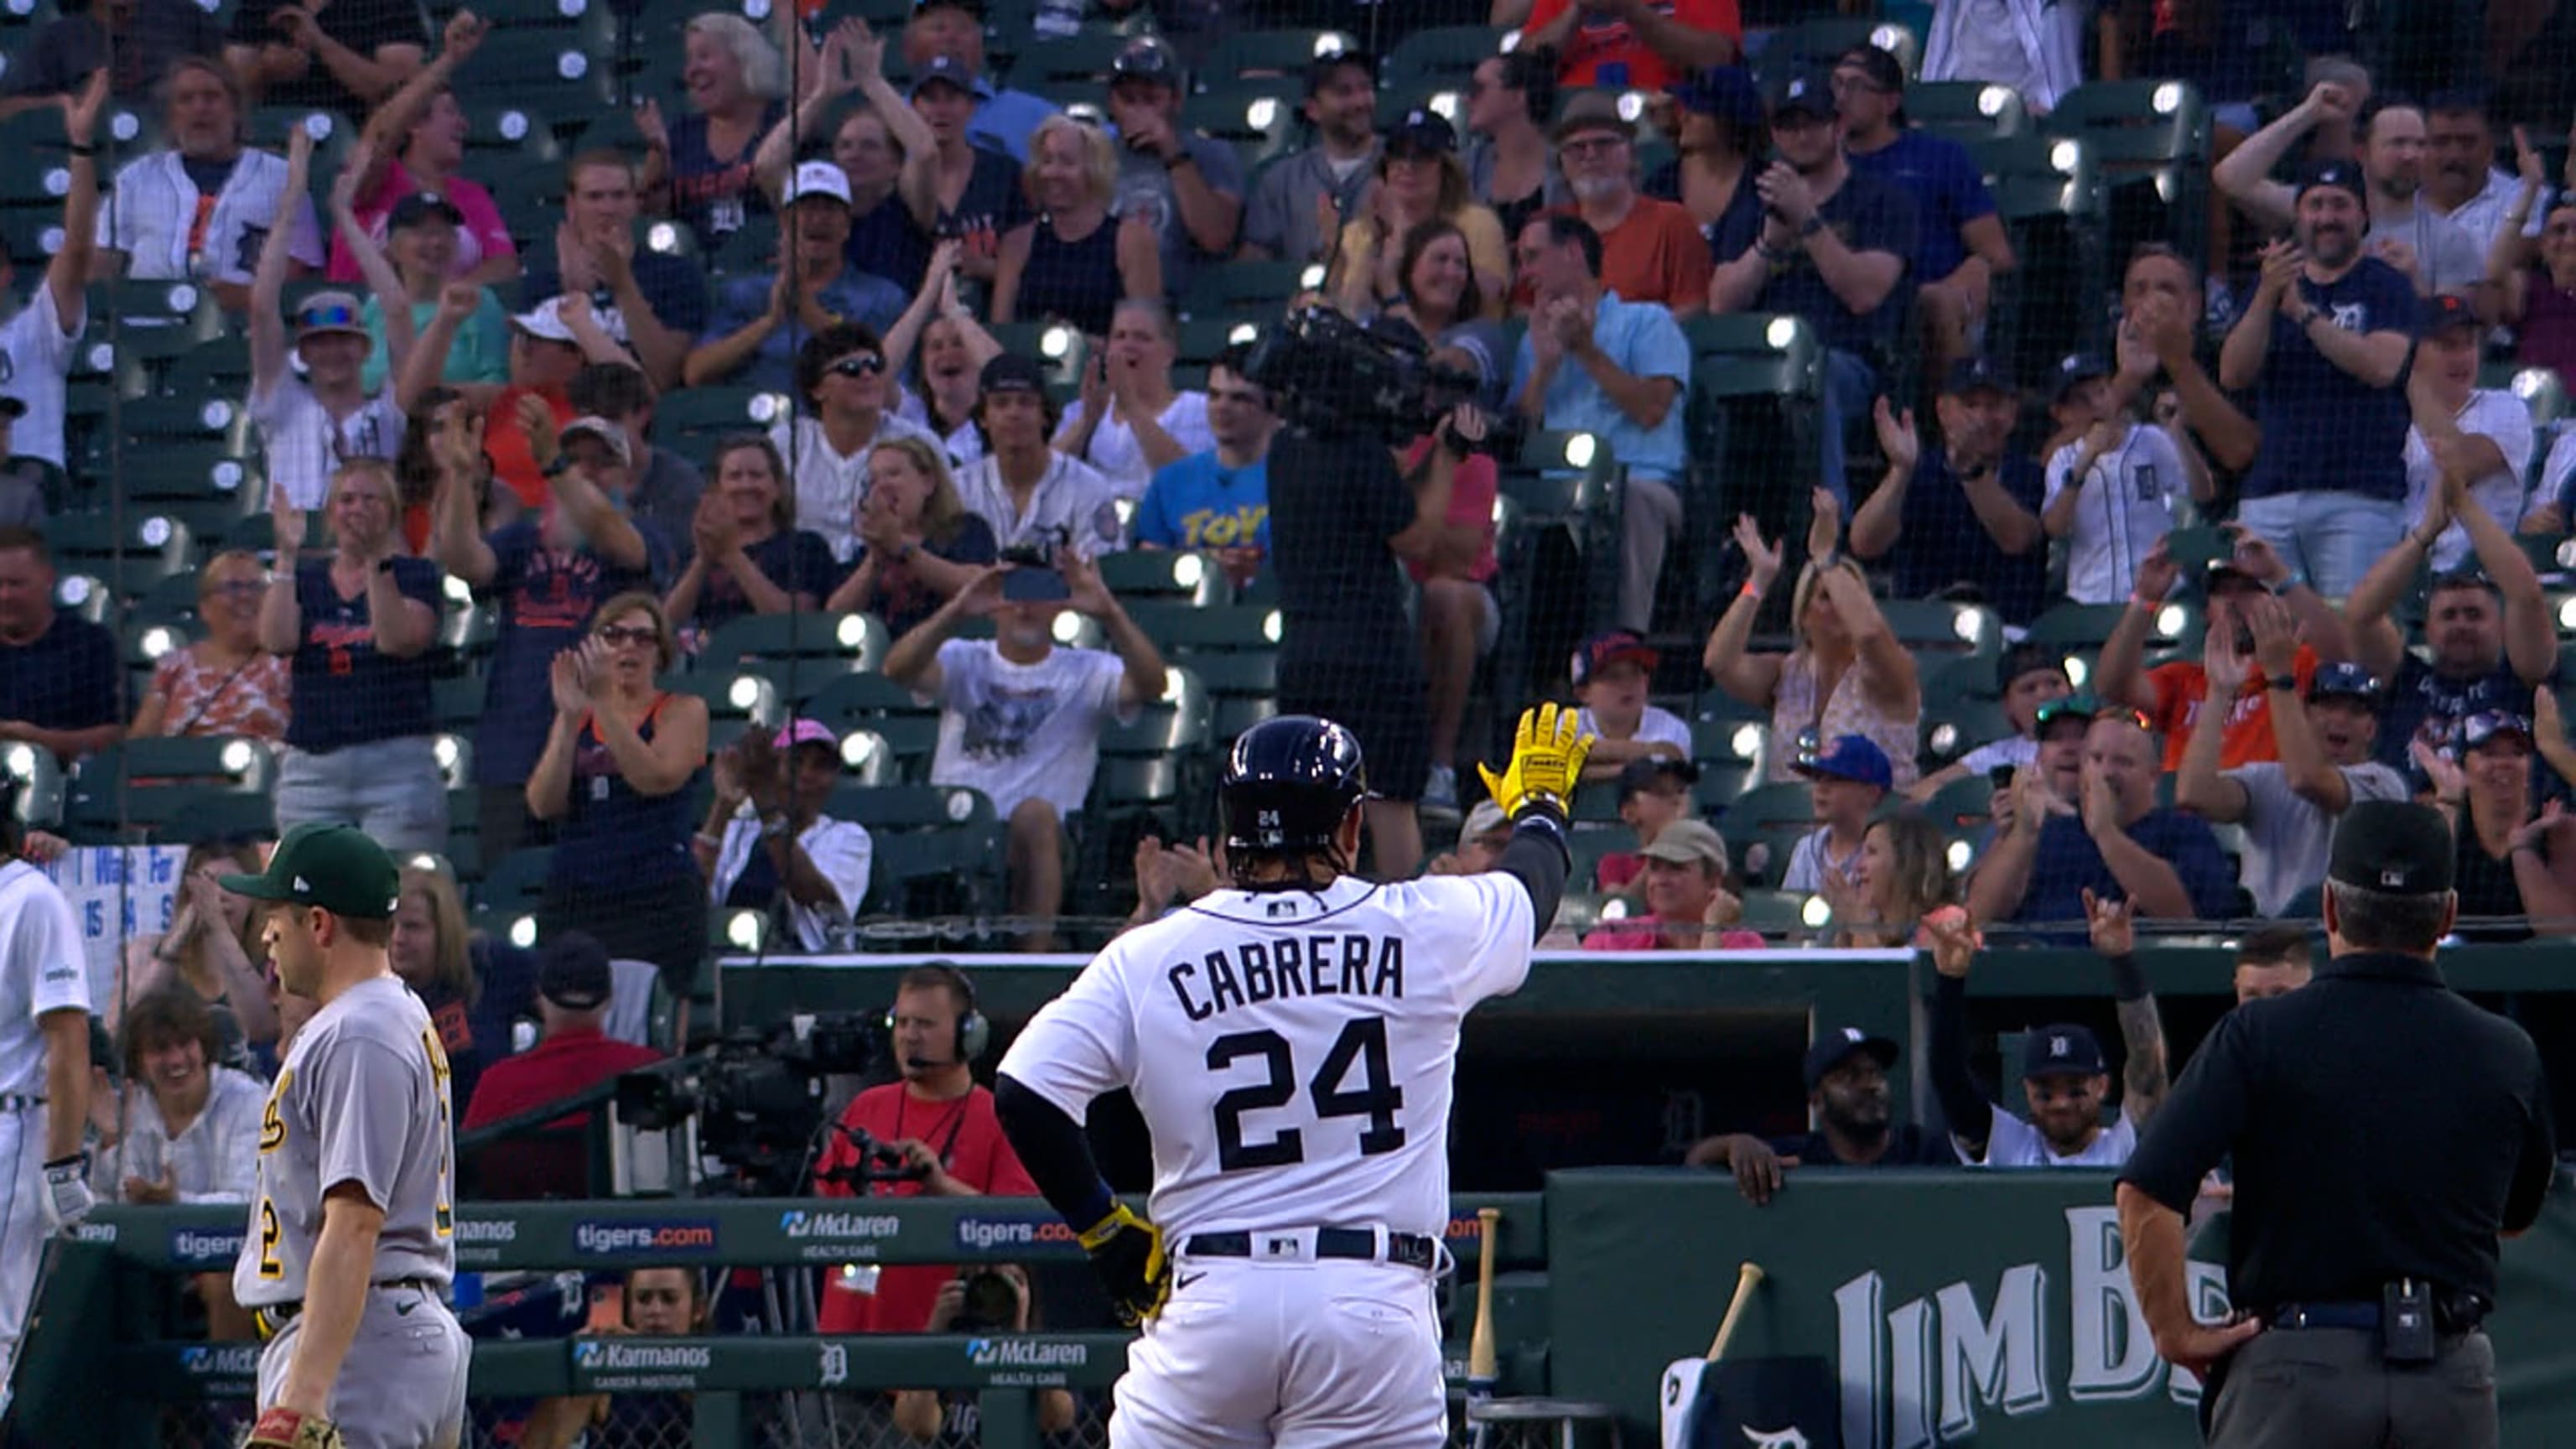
(223, 684)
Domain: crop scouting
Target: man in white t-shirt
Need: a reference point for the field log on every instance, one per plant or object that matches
(841, 371)
(1020, 719)
(37, 340)
(1130, 420)
(2486, 431)
(204, 205)
(1031, 495)
(2112, 491)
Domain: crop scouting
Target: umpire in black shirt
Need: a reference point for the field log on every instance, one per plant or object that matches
(2386, 1133)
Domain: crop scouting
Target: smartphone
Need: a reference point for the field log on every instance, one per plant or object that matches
(1025, 585)
(2001, 777)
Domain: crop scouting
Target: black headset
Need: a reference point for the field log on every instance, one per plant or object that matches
(974, 1033)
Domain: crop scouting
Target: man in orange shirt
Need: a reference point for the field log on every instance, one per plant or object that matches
(1651, 249)
(941, 1125)
(1641, 45)
(2171, 694)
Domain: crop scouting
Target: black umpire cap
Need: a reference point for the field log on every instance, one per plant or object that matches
(2396, 846)
(1288, 784)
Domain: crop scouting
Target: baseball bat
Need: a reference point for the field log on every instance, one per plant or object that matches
(1747, 1278)
(1480, 1344)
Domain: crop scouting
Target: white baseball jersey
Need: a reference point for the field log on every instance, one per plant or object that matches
(2126, 503)
(41, 971)
(2492, 413)
(1290, 1051)
(2012, 1142)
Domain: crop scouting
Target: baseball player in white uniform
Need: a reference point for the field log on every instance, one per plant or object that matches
(44, 1084)
(1290, 1044)
(352, 1231)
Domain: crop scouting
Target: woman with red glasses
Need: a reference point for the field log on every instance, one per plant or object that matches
(615, 775)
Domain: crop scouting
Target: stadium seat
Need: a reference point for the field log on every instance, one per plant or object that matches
(1440, 56)
(1966, 111)
(1260, 118)
(878, 705)
(1815, 44)
(1161, 576)
(1079, 63)
(221, 815)
(1245, 55)
(2151, 141)
(1936, 628)
(740, 697)
(1240, 290)
(694, 420)
(129, 553)
(826, 645)
(2048, 191)
(517, 881)
(1564, 484)
(938, 848)
(1059, 349)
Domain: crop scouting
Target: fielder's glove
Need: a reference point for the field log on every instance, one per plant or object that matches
(67, 1197)
(1548, 752)
(283, 1428)
(1128, 1252)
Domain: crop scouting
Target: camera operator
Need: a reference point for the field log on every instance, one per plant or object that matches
(932, 1133)
(977, 1300)
(1341, 513)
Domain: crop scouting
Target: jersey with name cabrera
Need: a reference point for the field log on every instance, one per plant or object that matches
(362, 1097)
(1291, 1051)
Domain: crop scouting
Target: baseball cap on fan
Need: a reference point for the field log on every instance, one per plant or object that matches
(818, 178)
(1833, 1048)
(2061, 1051)
(946, 70)
(326, 312)
(573, 972)
(545, 322)
(335, 867)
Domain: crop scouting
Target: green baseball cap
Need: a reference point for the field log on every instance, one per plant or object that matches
(335, 867)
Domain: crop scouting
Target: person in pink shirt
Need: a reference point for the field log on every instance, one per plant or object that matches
(1688, 907)
(1460, 618)
(416, 142)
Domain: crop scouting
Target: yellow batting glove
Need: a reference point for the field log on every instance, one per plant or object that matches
(1548, 752)
(1128, 1252)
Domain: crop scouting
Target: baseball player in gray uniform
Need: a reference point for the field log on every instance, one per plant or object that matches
(352, 1230)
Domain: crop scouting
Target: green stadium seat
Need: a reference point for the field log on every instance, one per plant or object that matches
(740, 696)
(1442, 56)
(221, 815)
(142, 785)
(1815, 44)
(1259, 118)
(1957, 726)
(878, 705)
(517, 881)
(938, 848)
(1246, 55)
(1934, 628)
(456, 704)
(38, 781)
(1158, 576)
(1234, 651)
(2049, 192)
(1244, 290)
(1079, 63)
(2152, 134)
(827, 644)
(694, 420)
(1783, 915)
(129, 554)
(1589, 846)
(1966, 111)
(1061, 350)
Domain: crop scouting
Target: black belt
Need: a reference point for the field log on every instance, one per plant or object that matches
(2453, 1313)
(18, 1102)
(271, 1319)
(1405, 1250)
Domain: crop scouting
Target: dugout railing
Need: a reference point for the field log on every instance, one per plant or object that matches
(1929, 1307)
(100, 1367)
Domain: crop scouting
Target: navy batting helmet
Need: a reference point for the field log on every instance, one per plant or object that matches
(1288, 783)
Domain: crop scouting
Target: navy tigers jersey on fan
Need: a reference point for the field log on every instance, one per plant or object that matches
(1290, 1051)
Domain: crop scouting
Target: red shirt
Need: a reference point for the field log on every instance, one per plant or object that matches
(1602, 40)
(968, 1138)
(2181, 689)
(559, 1066)
(1656, 254)
(506, 443)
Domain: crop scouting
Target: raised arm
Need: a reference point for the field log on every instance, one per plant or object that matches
(1971, 1116)
(1144, 681)
(1887, 666)
(775, 160)
(2367, 611)
(268, 344)
(913, 661)
(2201, 786)
(937, 297)
(549, 790)
(422, 370)
(2117, 674)
(68, 273)
(2245, 176)
(382, 279)
(404, 626)
(2154, 887)
(2530, 639)
(2249, 342)
(281, 615)
(456, 541)
(2145, 1080)
(1880, 520)
(1752, 678)
(393, 121)
(2509, 254)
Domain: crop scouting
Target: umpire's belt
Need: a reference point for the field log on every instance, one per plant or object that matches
(19, 1102)
(2453, 1313)
(271, 1319)
(1406, 1250)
